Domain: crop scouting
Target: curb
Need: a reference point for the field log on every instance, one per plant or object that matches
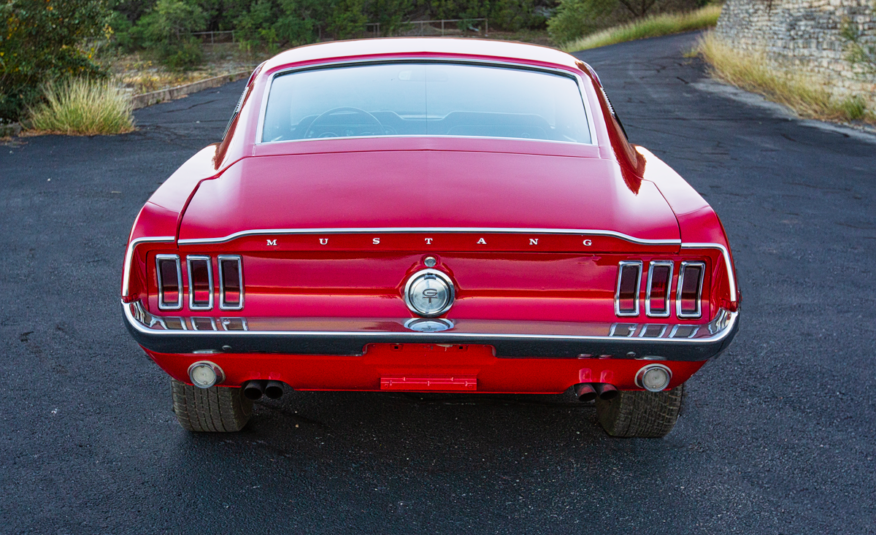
(172, 93)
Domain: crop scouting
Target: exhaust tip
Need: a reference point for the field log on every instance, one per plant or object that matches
(253, 390)
(606, 391)
(274, 389)
(585, 392)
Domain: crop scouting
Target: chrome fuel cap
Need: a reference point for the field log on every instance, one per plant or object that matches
(429, 293)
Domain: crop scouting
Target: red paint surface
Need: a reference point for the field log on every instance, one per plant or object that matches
(428, 183)
(524, 376)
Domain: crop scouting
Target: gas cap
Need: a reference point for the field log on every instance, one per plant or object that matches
(429, 293)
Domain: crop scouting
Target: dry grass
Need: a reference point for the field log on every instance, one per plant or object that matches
(804, 94)
(141, 74)
(654, 26)
(83, 107)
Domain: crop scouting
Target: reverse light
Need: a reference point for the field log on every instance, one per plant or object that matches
(200, 282)
(170, 295)
(230, 282)
(657, 294)
(629, 280)
(688, 301)
(654, 377)
(205, 374)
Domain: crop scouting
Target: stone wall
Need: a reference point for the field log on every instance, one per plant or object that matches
(805, 34)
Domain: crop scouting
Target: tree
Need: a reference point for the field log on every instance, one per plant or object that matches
(41, 43)
(575, 18)
(167, 28)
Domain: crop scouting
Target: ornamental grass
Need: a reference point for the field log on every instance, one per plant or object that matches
(653, 26)
(802, 92)
(83, 107)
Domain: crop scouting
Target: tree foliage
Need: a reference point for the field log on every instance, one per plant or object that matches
(168, 28)
(42, 41)
(575, 19)
(295, 22)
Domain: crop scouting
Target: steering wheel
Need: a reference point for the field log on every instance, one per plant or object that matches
(361, 113)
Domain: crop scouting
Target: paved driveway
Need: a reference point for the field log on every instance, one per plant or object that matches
(778, 435)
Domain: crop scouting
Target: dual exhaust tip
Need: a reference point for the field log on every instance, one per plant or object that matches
(590, 391)
(254, 390)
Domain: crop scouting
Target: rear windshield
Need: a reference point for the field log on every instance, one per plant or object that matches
(425, 99)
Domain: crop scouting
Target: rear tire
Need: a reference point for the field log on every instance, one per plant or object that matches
(640, 414)
(211, 410)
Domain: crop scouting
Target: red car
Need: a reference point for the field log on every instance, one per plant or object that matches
(428, 215)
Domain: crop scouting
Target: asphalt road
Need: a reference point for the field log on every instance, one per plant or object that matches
(777, 436)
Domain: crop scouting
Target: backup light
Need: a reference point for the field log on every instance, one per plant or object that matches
(205, 374)
(654, 377)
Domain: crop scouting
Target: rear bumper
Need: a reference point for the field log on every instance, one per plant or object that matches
(510, 339)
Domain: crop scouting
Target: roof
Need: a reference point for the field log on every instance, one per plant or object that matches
(423, 46)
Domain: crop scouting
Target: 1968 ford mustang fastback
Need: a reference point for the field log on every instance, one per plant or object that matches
(428, 215)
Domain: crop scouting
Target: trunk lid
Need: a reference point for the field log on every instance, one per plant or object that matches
(425, 189)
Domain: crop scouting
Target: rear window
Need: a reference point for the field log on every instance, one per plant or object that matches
(425, 99)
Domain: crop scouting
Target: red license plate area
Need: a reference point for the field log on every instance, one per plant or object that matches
(420, 384)
(429, 367)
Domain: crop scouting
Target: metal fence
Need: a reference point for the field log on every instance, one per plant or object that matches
(434, 27)
(412, 28)
(215, 37)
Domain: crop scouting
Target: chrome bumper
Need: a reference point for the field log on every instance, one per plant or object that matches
(511, 339)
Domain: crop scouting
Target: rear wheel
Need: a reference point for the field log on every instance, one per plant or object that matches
(640, 414)
(214, 410)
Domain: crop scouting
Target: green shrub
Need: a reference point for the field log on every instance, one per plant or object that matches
(576, 18)
(40, 43)
(167, 29)
(81, 106)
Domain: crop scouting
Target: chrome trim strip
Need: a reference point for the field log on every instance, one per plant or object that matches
(226, 321)
(620, 271)
(439, 136)
(179, 288)
(222, 305)
(129, 256)
(645, 330)
(699, 312)
(731, 276)
(209, 260)
(732, 318)
(694, 331)
(414, 58)
(426, 230)
(651, 265)
(632, 327)
(195, 323)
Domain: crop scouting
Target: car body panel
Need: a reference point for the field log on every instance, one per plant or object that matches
(409, 189)
(531, 234)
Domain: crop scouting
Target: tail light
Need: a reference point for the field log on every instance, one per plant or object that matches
(200, 282)
(657, 294)
(690, 290)
(230, 283)
(170, 296)
(629, 280)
